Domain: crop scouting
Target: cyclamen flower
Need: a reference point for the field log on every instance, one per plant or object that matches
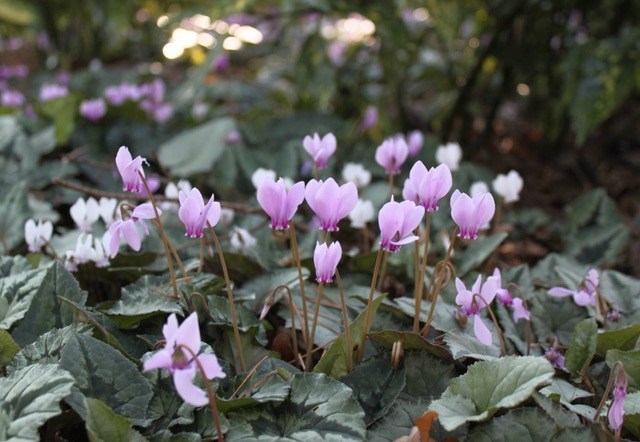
(369, 119)
(93, 109)
(260, 174)
(83, 253)
(392, 154)
(357, 174)
(554, 356)
(153, 182)
(586, 292)
(107, 210)
(426, 187)
(331, 202)
(85, 213)
(279, 203)
(130, 170)
(241, 240)
(101, 247)
(508, 186)
(472, 302)
(616, 410)
(195, 215)
(325, 260)
(320, 149)
(181, 363)
(51, 91)
(504, 298)
(415, 140)
(449, 154)
(128, 230)
(118, 94)
(12, 99)
(397, 222)
(471, 214)
(361, 214)
(37, 235)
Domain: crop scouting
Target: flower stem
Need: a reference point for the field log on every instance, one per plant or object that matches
(423, 271)
(391, 178)
(316, 312)
(348, 345)
(367, 315)
(612, 377)
(295, 254)
(503, 345)
(438, 283)
(207, 386)
(232, 305)
(163, 236)
(497, 219)
(383, 272)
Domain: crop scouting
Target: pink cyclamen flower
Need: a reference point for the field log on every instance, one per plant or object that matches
(586, 292)
(415, 140)
(127, 228)
(93, 109)
(12, 98)
(195, 214)
(153, 182)
(130, 170)
(51, 91)
(520, 311)
(505, 298)
(397, 221)
(331, 202)
(279, 203)
(472, 301)
(392, 154)
(470, 214)
(177, 356)
(554, 356)
(320, 149)
(326, 259)
(616, 411)
(426, 187)
(369, 119)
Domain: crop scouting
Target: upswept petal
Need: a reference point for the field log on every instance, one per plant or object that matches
(412, 217)
(294, 198)
(464, 299)
(485, 208)
(170, 328)
(211, 366)
(477, 285)
(481, 331)
(131, 235)
(489, 289)
(123, 158)
(160, 359)
(582, 298)
(114, 243)
(310, 193)
(463, 213)
(145, 211)
(188, 334)
(214, 213)
(389, 221)
(183, 380)
(271, 197)
(30, 231)
(189, 213)
(519, 310)
(460, 286)
(560, 292)
(327, 199)
(347, 200)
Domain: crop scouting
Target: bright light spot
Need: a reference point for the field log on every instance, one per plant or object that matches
(232, 43)
(220, 27)
(353, 29)
(248, 34)
(172, 50)
(201, 21)
(206, 40)
(233, 28)
(523, 89)
(162, 20)
(474, 43)
(184, 37)
(420, 14)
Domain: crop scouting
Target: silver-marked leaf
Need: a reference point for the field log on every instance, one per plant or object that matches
(30, 396)
(317, 408)
(489, 386)
(525, 424)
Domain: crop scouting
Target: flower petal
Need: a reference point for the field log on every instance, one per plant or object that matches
(192, 395)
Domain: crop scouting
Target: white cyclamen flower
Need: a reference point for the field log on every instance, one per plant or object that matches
(107, 210)
(84, 214)
(37, 235)
(260, 174)
(361, 214)
(226, 216)
(449, 154)
(478, 188)
(508, 186)
(241, 240)
(357, 174)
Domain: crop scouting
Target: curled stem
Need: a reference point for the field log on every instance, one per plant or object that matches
(439, 282)
(232, 305)
(348, 345)
(202, 298)
(368, 313)
(418, 288)
(316, 312)
(207, 385)
(295, 255)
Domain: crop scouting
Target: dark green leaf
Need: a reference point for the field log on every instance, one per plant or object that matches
(583, 345)
(623, 339)
(8, 348)
(103, 425)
